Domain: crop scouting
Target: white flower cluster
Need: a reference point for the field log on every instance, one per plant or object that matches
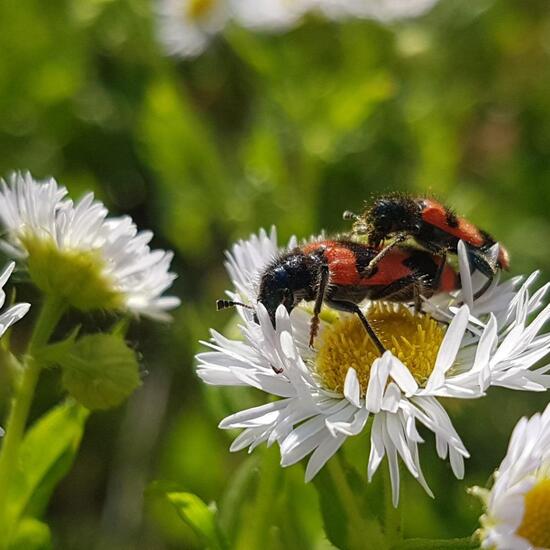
(488, 342)
(185, 27)
(43, 225)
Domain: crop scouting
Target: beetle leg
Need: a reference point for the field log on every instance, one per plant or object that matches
(417, 299)
(320, 297)
(437, 277)
(405, 289)
(368, 271)
(350, 307)
(484, 266)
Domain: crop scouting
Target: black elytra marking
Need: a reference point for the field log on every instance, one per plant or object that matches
(489, 240)
(451, 218)
(363, 255)
(421, 262)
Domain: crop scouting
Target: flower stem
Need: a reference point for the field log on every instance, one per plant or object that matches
(51, 312)
(363, 532)
(264, 509)
(429, 544)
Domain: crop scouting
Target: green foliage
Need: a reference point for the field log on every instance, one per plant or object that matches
(45, 456)
(31, 534)
(200, 517)
(287, 129)
(100, 370)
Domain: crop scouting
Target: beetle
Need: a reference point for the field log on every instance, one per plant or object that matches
(331, 272)
(434, 226)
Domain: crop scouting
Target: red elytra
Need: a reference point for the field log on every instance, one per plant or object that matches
(435, 214)
(343, 262)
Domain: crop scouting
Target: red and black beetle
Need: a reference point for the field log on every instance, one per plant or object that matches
(332, 272)
(432, 225)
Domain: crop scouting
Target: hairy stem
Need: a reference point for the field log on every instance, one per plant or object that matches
(51, 312)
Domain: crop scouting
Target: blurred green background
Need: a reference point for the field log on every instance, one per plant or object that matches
(291, 130)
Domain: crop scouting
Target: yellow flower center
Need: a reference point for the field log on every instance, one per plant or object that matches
(77, 276)
(535, 526)
(414, 338)
(197, 9)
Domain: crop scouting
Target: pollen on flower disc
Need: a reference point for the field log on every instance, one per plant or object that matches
(535, 526)
(414, 338)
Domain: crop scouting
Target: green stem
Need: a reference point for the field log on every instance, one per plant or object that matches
(429, 544)
(51, 312)
(363, 533)
(264, 508)
(393, 527)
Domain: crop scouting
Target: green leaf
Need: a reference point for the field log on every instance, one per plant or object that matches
(200, 517)
(31, 534)
(45, 456)
(52, 354)
(100, 371)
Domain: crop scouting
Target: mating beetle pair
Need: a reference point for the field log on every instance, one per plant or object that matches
(343, 272)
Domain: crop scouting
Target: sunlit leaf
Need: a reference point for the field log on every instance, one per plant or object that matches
(45, 457)
(200, 517)
(100, 370)
(31, 534)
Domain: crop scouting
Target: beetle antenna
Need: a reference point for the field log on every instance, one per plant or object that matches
(348, 215)
(225, 304)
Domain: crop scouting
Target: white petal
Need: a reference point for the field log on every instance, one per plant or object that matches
(403, 377)
(449, 348)
(352, 390)
(323, 452)
(379, 373)
(465, 275)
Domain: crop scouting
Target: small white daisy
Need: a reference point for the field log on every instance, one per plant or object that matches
(330, 393)
(517, 513)
(270, 15)
(76, 252)
(185, 27)
(382, 10)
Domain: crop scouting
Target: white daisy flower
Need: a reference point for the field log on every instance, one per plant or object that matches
(76, 252)
(185, 27)
(270, 15)
(381, 10)
(517, 513)
(332, 392)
